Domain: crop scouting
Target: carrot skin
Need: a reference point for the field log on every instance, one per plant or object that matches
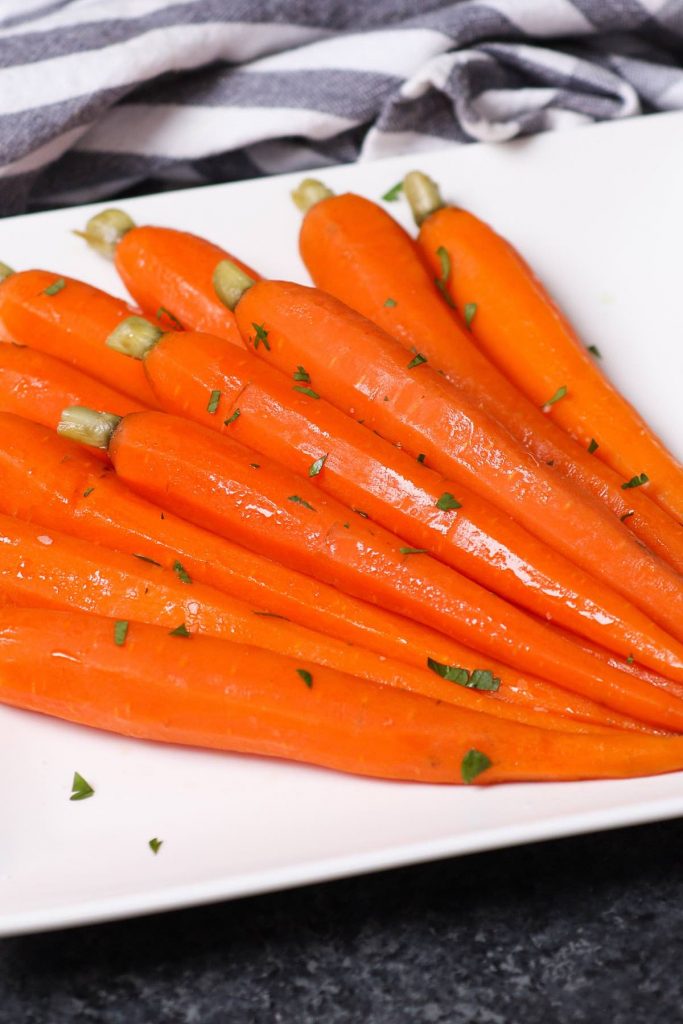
(72, 325)
(356, 251)
(209, 693)
(364, 471)
(55, 483)
(363, 371)
(491, 273)
(208, 479)
(173, 270)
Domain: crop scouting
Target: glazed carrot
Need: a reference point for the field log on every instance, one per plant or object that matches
(209, 693)
(207, 478)
(43, 568)
(357, 252)
(198, 376)
(169, 273)
(55, 483)
(547, 354)
(363, 371)
(70, 320)
(38, 386)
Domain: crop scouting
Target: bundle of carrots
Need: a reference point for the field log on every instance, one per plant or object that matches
(398, 524)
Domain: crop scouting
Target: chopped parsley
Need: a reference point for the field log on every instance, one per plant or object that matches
(560, 393)
(627, 515)
(593, 446)
(56, 287)
(316, 466)
(120, 632)
(182, 573)
(635, 481)
(261, 336)
(306, 676)
(393, 193)
(447, 502)
(232, 418)
(390, 303)
(300, 501)
(144, 558)
(213, 402)
(413, 551)
(306, 390)
(301, 374)
(180, 630)
(469, 311)
(80, 789)
(473, 764)
(477, 679)
(595, 351)
(421, 457)
(417, 360)
(255, 465)
(442, 282)
(630, 659)
(155, 845)
(162, 311)
(88, 491)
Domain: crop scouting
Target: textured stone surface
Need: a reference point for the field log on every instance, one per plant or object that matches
(582, 930)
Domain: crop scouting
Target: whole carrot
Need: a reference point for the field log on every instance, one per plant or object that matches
(364, 372)
(169, 273)
(356, 251)
(38, 387)
(547, 355)
(208, 479)
(70, 320)
(52, 482)
(210, 693)
(198, 376)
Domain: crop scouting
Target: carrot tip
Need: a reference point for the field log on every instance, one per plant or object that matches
(230, 283)
(422, 194)
(309, 193)
(86, 426)
(134, 337)
(105, 230)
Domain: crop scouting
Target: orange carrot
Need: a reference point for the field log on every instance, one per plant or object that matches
(547, 355)
(208, 693)
(52, 482)
(357, 252)
(70, 320)
(207, 478)
(43, 568)
(363, 371)
(37, 386)
(169, 273)
(200, 377)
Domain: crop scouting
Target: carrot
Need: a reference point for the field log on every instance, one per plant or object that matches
(198, 376)
(357, 252)
(548, 354)
(208, 479)
(363, 371)
(70, 320)
(55, 483)
(37, 386)
(169, 273)
(209, 693)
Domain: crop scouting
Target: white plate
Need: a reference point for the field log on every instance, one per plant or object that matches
(599, 212)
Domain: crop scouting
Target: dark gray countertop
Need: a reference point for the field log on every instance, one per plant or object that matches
(580, 930)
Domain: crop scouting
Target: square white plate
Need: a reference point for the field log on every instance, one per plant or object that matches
(599, 212)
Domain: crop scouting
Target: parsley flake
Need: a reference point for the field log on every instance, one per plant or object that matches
(469, 311)
(593, 446)
(182, 573)
(300, 501)
(560, 393)
(306, 390)
(80, 789)
(213, 402)
(390, 303)
(417, 360)
(306, 676)
(421, 457)
(180, 630)
(88, 491)
(447, 502)
(630, 659)
(473, 764)
(261, 336)
(144, 558)
(413, 551)
(120, 632)
(302, 374)
(155, 845)
(635, 481)
(316, 466)
(162, 311)
(477, 679)
(55, 287)
(627, 515)
(442, 282)
(594, 351)
(231, 419)
(391, 196)
(255, 465)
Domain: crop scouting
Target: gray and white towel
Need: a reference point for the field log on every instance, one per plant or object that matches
(103, 97)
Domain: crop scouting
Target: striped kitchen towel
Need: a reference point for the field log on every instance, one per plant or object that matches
(101, 97)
